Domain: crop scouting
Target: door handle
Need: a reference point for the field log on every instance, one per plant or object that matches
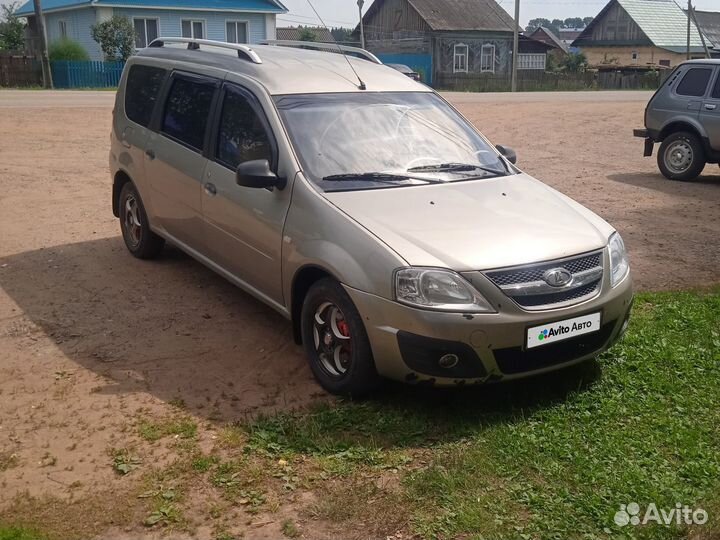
(150, 153)
(210, 189)
(710, 106)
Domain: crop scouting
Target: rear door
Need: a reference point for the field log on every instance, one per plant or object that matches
(174, 157)
(710, 113)
(139, 96)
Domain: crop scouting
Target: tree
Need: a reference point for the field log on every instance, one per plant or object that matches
(116, 37)
(12, 29)
(573, 22)
(534, 24)
(574, 63)
(342, 35)
(556, 24)
(307, 35)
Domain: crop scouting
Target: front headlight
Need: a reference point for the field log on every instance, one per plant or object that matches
(438, 289)
(619, 263)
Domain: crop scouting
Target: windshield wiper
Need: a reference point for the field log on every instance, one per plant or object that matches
(380, 177)
(457, 167)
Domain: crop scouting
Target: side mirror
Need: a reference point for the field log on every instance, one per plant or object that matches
(257, 174)
(508, 153)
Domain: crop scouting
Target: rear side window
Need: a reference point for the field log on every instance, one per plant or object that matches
(695, 82)
(187, 110)
(141, 92)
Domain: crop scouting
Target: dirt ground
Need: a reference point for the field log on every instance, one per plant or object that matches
(92, 339)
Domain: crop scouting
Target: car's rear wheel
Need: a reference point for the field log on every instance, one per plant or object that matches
(335, 341)
(139, 239)
(681, 156)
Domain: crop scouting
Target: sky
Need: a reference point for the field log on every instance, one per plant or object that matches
(345, 12)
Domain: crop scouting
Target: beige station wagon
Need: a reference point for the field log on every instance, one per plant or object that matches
(363, 207)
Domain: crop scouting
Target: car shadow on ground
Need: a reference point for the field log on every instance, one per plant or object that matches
(709, 180)
(176, 330)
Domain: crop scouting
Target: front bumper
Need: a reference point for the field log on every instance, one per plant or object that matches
(408, 343)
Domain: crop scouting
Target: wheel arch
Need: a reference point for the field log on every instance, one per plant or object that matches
(304, 278)
(686, 124)
(119, 180)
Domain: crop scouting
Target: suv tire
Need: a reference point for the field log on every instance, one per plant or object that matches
(335, 341)
(135, 227)
(681, 156)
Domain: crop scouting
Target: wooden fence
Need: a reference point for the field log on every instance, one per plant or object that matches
(18, 70)
(531, 81)
(72, 74)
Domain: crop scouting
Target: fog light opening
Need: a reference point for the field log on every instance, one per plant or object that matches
(448, 361)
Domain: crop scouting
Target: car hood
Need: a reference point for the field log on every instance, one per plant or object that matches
(477, 224)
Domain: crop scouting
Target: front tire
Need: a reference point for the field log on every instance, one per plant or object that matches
(681, 156)
(335, 341)
(135, 227)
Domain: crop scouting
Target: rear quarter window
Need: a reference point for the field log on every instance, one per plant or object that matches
(695, 82)
(141, 92)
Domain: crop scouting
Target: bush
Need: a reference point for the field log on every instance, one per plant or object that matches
(67, 49)
(116, 37)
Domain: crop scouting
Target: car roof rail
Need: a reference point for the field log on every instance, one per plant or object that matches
(332, 47)
(243, 51)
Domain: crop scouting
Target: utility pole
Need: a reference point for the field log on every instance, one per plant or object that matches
(516, 47)
(688, 35)
(40, 28)
(360, 4)
(702, 36)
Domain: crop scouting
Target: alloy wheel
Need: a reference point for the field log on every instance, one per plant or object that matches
(333, 343)
(133, 226)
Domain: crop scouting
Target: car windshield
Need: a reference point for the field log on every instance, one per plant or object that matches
(374, 140)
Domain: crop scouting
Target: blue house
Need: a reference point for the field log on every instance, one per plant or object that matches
(235, 21)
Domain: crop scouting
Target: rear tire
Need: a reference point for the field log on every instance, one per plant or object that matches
(681, 156)
(335, 341)
(135, 227)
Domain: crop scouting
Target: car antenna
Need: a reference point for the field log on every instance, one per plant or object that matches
(340, 49)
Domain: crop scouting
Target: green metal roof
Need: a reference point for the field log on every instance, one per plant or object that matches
(662, 21)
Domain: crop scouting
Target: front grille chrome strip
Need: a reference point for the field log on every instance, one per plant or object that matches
(525, 284)
(535, 288)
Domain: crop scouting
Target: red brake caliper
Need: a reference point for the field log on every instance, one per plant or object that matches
(344, 328)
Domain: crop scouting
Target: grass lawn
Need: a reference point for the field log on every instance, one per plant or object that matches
(551, 457)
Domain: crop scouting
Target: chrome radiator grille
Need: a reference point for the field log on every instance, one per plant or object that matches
(527, 285)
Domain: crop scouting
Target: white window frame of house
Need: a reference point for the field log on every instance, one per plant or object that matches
(635, 57)
(461, 52)
(484, 68)
(192, 22)
(532, 61)
(63, 28)
(145, 20)
(237, 22)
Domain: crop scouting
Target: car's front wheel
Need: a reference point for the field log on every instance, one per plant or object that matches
(681, 156)
(335, 341)
(139, 239)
